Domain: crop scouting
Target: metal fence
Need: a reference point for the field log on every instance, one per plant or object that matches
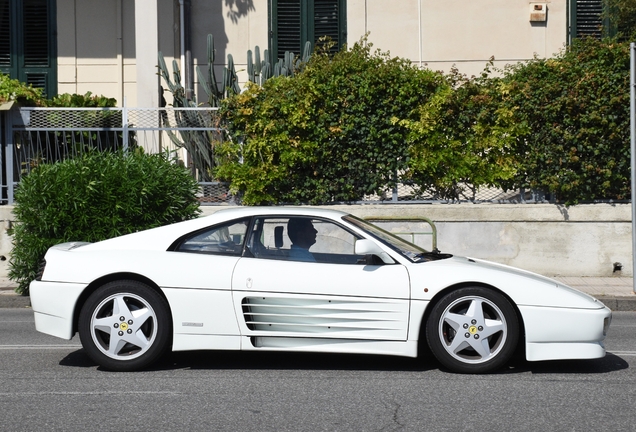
(37, 135)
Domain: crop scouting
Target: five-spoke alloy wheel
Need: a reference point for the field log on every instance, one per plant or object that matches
(473, 330)
(125, 325)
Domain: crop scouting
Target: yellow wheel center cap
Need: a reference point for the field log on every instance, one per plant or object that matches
(472, 329)
(124, 326)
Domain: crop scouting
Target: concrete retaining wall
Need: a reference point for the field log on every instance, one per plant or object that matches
(583, 240)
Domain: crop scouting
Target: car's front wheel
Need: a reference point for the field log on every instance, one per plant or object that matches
(125, 325)
(473, 330)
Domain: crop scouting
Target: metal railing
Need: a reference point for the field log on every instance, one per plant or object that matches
(412, 234)
(36, 135)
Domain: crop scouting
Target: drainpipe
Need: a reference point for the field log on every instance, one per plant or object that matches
(120, 53)
(186, 52)
(419, 17)
(182, 41)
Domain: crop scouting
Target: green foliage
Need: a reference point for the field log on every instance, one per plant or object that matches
(463, 139)
(92, 198)
(201, 145)
(621, 15)
(87, 100)
(326, 134)
(14, 90)
(26, 95)
(575, 108)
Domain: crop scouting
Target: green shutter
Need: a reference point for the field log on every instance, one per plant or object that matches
(36, 33)
(587, 18)
(5, 35)
(27, 42)
(294, 22)
(327, 22)
(288, 27)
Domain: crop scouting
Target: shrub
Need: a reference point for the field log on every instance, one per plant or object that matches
(94, 197)
(575, 108)
(328, 133)
(359, 122)
(88, 100)
(463, 139)
(14, 90)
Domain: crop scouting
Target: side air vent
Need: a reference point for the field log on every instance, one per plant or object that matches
(334, 317)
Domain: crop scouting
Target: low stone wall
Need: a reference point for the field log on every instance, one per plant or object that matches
(584, 240)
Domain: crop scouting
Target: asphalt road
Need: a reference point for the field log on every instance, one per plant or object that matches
(49, 384)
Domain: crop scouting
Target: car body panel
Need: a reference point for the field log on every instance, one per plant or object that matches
(53, 305)
(524, 288)
(202, 311)
(304, 299)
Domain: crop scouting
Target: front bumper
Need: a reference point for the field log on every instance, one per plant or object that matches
(562, 333)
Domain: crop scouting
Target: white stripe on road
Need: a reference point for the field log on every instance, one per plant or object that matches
(623, 353)
(18, 347)
(93, 393)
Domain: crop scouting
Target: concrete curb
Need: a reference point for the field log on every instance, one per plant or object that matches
(619, 304)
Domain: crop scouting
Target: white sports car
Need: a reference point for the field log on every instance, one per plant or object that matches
(301, 279)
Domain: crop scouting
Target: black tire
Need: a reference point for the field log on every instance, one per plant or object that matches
(125, 325)
(485, 323)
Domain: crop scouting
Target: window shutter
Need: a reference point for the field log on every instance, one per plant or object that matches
(37, 80)
(294, 22)
(5, 34)
(589, 18)
(36, 33)
(327, 22)
(288, 27)
(27, 42)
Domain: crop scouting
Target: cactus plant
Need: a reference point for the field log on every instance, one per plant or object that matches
(200, 144)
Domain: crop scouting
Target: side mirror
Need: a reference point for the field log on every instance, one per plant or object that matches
(368, 247)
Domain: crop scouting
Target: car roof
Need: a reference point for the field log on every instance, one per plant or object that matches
(281, 210)
(161, 238)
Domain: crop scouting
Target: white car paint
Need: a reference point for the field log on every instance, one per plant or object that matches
(207, 295)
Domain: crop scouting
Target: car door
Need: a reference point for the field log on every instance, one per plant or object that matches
(332, 294)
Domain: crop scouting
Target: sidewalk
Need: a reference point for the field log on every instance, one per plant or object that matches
(616, 292)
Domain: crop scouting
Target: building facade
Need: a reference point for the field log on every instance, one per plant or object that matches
(110, 47)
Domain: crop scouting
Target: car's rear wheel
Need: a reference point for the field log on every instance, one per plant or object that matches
(125, 325)
(473, 330)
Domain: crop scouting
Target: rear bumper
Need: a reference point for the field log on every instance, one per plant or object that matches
(54, 305)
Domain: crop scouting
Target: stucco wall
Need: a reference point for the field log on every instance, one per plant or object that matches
(98, 50)
(465, 34)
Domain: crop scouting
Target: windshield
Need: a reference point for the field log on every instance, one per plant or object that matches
(409, 250)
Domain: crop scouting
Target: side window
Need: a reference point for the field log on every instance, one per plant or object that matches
(226, 239)
(303, 239)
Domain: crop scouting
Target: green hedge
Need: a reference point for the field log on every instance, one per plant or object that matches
(358, 122)
(92, 198)
(575, 109)
(327, 134)
(463, 139)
